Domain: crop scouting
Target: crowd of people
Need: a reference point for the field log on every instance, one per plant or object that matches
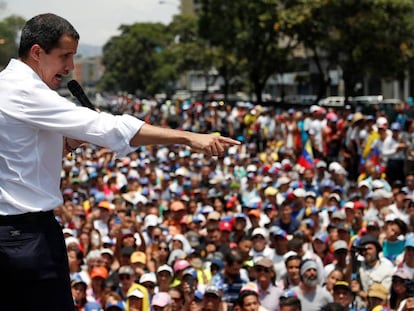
(313, 211)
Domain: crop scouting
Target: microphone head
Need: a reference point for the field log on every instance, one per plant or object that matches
(74, 87)
(77, 91)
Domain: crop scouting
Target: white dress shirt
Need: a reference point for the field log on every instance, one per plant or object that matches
(33, 121)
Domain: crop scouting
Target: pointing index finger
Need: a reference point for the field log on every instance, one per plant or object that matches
(228, 140)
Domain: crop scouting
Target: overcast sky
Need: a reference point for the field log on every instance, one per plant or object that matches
(95, 20)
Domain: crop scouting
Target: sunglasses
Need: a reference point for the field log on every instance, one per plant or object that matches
(398, 280)
(124, 277)
(262, 269)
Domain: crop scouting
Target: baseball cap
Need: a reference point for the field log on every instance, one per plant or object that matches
(138, 257)
(344, 227)
(93, 306)
(225, 226)
(126, 270)
(339, 245)
(165, 267)
(264, 262)
(260, 231)
(136, 293)
(214, 215)
(381, 122)
(395, 126)
(342, 284)
(77, 279)
(148, 277)
(323, 237)
(99, 272)
(115, 304)
(212, 290)
(377, 290)
(161, 299)
(181, 264)
(338, 215)
(107, 251)
(277, 231)
(270, 191)
(403, 274)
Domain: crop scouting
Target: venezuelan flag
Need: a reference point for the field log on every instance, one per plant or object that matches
(306, 158)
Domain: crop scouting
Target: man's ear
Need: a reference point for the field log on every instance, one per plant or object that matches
(35, 52)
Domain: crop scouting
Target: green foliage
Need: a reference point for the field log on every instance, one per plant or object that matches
(245, 31)
(132, 58)
(363, 37)
(9, 29)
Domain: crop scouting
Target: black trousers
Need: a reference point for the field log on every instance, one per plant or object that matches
(34, 264)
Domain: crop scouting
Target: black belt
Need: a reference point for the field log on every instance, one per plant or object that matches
(26, 218)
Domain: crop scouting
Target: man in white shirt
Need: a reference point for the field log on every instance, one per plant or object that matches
(38, 126)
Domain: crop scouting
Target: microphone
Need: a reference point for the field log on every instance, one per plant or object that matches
(77, 91)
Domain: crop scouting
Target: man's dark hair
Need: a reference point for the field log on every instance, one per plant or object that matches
(292, 302)
(46, 31)
(245, 294)
(333, 306)
(234, 255)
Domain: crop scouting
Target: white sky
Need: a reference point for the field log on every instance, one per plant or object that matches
(95, 20)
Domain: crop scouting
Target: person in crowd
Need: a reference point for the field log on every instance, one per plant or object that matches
(232, 281)
(164, 278)
(126, 277)
(248, 299)
(79, 287)
(377, 296)
(265, 280)
(374, 268)
(212, 299)
(342, 294)
(161, 302)
(134, 300)
(293, 262)
(310, 293)
(401, 288)
(289, 301)
(177, 298)
(279, 242)
(333, 277)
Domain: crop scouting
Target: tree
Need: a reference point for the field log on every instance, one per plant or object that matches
(132, 58)
(247, 28)
(9, 30)
(362, 37)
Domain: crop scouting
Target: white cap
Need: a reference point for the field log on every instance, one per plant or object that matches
(251, 168)
(260, 231)
(289, 254)
(377, 184)
(148, 277)
(165, 268)
(136, 293)
(349, 204)
(151, 220)
(365, 183)
(299, 192)
(314, 108)
(283, 180)
(67, 231)
(381, 122)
